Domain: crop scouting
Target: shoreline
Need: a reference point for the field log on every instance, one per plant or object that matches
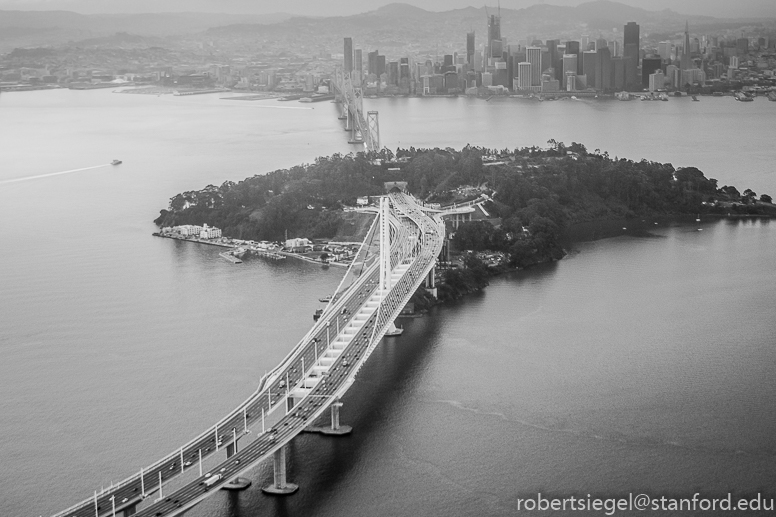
(197, 240)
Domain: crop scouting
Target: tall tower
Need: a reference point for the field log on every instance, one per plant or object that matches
(470, 48)
(684, 62)
(348, 55)
(630, 54)
(494, 34)
(534, 56)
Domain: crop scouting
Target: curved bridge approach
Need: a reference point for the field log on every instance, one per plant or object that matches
(398, 255)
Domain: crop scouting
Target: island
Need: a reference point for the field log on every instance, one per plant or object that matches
(526, 202)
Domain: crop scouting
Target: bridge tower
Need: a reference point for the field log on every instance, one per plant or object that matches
(385, 245)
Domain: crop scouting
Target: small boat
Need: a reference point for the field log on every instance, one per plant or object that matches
(116, 162)
(325, 299)
(695, 98)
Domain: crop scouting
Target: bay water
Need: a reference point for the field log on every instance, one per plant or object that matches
(636, 364)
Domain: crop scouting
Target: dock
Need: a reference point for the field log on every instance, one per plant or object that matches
(231, 258)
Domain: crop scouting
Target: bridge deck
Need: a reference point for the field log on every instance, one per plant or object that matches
(319, 370)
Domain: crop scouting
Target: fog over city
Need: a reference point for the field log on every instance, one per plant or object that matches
(718, 8)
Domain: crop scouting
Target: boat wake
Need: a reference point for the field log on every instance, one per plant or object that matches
(27, 178)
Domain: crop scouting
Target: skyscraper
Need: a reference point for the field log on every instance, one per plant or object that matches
(524, 76)
(572, 47)
(569, 67)
(603, 69)
(358, 65)
(684, 62)
(534, 56)
(589, 60)
(348, 55)
(494, 35)
(630, 54)
(649, 65)
(470, 48)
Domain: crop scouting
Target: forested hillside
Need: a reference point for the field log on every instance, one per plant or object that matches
(535, 192)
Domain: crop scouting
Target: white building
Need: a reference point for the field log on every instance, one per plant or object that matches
(209, 232)
(188, 229)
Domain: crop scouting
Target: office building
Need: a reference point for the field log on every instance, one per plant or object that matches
(569, 67)
(589, 60)
(571, 82)
(572, 47)
(470, 48)
(534, 56)
(358, 66)
(618, 74)
(649, 65)
(657, 81)
(348, 55)
(603, 69)
(631, 55)
(664, 50)
(523, 76)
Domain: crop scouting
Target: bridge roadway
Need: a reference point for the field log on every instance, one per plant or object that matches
(316, 373)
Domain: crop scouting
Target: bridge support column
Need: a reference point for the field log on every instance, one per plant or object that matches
(280, 485)
(129, 511)
(336, 429)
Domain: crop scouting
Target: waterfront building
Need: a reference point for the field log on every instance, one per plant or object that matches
(534, 57)
(487, 79)
(188, 229)
(209, 232)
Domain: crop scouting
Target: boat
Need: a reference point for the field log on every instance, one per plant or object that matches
(623, 96)
(325, 299)
(317, 315)
(116, 162)
(772, 96)
(695, 98)
(741, 96)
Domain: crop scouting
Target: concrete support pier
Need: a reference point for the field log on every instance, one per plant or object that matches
(129, 510)
(237, 484)
(280, 486)
(336, 429)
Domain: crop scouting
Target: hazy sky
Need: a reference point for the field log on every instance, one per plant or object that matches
(719, 8)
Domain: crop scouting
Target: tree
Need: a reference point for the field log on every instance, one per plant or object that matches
(765, 198)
